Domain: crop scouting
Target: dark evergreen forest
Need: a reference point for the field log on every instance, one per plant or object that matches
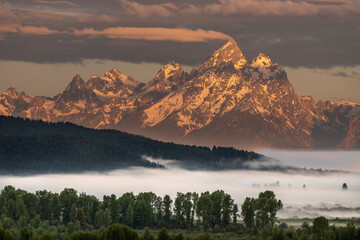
(33, 146)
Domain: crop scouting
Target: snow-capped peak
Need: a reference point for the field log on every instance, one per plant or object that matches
(168, 71)
(347, 102)
(115, 76)
(94, 76)
(261, 61)
(228, 53)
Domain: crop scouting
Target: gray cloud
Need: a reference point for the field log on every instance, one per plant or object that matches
(315, 34)
(341, 74)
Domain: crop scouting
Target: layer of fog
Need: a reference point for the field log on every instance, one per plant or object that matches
(345, 160)
(321, 191)
(322, 196)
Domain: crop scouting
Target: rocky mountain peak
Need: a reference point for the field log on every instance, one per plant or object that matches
(228, 53)
(118, 78)
(11, 91)
(113, 74)
(171, 72)
(261, 61)
(76, 84)
(94, 76)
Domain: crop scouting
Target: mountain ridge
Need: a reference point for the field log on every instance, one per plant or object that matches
(227, 101)
(34, 146)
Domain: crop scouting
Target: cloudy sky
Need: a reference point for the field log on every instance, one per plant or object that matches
(44, 43)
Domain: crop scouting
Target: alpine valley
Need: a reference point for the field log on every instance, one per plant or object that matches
(227, 101)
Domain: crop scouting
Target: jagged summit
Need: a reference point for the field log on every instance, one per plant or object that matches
(76, 83)
(228, 53)
(171, 72)
(11, 91)
(261, 61)
(113, 73)
(347, 102)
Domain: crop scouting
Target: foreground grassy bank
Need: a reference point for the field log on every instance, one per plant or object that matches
(319, 229)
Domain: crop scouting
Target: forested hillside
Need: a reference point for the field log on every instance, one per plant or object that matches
(29, 146)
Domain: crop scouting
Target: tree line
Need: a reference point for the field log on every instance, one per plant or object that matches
(80, 211)
(70, 215)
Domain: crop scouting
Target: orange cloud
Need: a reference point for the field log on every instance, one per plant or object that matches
(282, 8)
(153, 34)
(142, 10)
(57, 2)
(25, 30)
(32, 30)
(246, 7)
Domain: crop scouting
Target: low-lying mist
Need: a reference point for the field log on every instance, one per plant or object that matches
(303, 195)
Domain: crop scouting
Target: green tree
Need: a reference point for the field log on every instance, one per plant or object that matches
(55, 208)
(31, 202)
(47, 236)
(167, 209)
(44, 207)
(23, 221)
(204, 208)
(227, 209)
(147, 235)
(234, 213)
(25, 234)
(291, 233)
(265, 233)
(163, 234)
(21, 210)
(84, 236)
(98, 221)
(179, 211)
(304, 235)
(113, 232)
(7, 223)
(114, 209)
(217, 205)
(248, 212)
(194, 198)
(35, 222)
(118, 232)
(11, 209)
(140, 213)
(320, 226)
(124, 201)
(106, 218)
(158, 208)
(266, 208)
(80, 216)
(129, 216)
(68, 197)
(6, 235)
(188, 207)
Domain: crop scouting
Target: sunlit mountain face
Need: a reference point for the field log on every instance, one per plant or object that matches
(227, 101)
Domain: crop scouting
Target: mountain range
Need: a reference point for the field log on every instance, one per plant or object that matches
(227, 101)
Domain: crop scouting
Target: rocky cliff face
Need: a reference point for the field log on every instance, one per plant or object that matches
(352, 137)
(228, 101)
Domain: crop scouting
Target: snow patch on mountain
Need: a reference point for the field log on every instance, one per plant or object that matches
(159, 111)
